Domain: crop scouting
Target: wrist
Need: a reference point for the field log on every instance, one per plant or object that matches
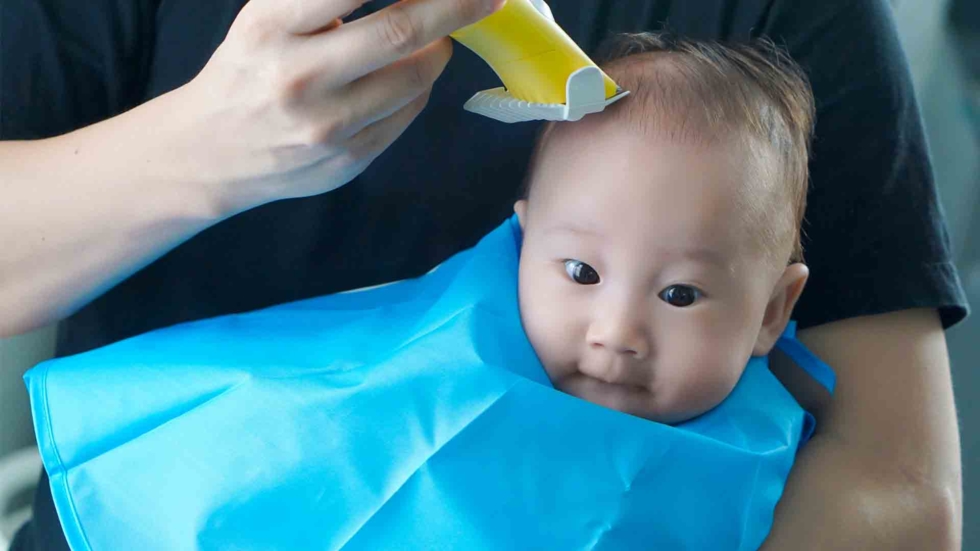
(140, 160)
(211, 151)
(179, 156)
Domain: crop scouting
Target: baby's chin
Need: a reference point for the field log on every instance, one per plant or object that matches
(632, 399)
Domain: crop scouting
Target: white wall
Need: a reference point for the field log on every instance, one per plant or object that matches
(17, 355)
(920, 26)
(940, 83)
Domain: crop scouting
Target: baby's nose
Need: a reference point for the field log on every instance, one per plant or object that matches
(620, 335)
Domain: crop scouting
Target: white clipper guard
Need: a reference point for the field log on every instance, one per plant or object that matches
(585, 93)
(543, 8)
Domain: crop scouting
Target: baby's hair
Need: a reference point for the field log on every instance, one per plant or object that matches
(704, 92)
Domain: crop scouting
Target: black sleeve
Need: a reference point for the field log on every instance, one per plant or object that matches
(65, 64)
(875, 238)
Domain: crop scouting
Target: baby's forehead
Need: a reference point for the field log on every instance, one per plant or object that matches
(756, 104)
(743, 192)
(592, 137)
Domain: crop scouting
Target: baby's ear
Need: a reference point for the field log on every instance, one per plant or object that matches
(520, 207)
(784, 296)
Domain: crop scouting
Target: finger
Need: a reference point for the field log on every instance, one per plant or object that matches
(370, 142)
(363, 46)
(305, 16)
(361, 150)
(331, 25)
(380, 94)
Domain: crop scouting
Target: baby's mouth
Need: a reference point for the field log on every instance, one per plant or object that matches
(618, 373)
(589, 387)
(625, 397)
(584, 380)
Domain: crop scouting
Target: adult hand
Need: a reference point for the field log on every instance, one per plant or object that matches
(296, 102)
(293, 103)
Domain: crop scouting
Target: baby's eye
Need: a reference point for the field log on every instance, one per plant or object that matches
(680, 295)
(581, 273)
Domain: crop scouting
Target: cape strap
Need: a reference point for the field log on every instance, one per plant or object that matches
(801, 355)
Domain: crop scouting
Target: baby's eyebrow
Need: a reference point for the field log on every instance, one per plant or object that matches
(704, 255)
(572, 228)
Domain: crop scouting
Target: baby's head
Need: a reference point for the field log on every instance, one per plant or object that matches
(662, 236)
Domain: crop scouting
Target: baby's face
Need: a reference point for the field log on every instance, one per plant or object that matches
(640, 289)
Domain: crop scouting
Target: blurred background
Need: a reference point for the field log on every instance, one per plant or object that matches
(942, 42)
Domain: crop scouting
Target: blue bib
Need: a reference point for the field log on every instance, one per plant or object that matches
(410, 416)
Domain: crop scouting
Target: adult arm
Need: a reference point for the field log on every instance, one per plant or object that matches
(883, 469)
(293, 103)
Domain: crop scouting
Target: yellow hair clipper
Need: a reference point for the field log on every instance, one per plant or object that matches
(546, 76)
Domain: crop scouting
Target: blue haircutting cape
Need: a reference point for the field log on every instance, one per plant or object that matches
(410, 416)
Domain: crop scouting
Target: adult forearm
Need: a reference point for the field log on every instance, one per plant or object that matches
(833, 502)
(80, 212)
(883, 471)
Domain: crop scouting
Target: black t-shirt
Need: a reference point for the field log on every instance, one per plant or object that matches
(874, 236)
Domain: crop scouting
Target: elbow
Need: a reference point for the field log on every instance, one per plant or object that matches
(939, 493)
(942, 516)
(16, 320)
(11, 326)
(932, 511)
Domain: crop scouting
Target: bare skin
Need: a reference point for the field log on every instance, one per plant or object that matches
(670, 264)
(883, 470)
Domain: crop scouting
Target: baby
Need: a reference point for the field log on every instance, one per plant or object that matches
(662, 237)
(660, 251)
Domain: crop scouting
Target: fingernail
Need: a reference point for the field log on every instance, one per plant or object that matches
(493, 5)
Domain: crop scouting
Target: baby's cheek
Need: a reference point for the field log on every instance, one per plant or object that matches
(531, 316)
(708, 379)
(549, 326)
(699, 357)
